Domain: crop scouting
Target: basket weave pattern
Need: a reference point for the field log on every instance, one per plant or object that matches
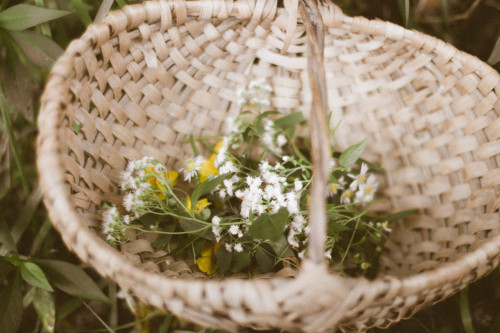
(151, 75)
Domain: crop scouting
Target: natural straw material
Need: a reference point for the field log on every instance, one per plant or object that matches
(150, 75)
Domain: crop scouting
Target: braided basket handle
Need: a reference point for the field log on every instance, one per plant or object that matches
(320, 147)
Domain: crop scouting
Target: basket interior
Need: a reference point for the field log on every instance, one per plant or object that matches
(431, 118)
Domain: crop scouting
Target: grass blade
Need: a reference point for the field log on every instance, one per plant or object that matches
(82, 11)
(495, 53)
(44, 26)
(407, 12)
(27, 214)
(109, 329)
(465, 311)
(103, 10)
(445, 13)
(7, 125)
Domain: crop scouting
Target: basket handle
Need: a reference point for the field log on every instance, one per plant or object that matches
(320, 146)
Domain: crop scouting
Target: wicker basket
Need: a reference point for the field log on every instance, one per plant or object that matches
(152, 74)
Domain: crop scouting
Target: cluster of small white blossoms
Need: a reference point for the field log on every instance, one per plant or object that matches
(114, 225)
(256, 94)
(267, 192)
(362, 187)
(144, 181)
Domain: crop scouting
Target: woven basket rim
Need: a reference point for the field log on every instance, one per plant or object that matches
(111, 263)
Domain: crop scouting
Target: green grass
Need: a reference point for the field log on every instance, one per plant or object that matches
(35, 265)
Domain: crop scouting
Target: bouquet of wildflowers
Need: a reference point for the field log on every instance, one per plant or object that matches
(243, 207)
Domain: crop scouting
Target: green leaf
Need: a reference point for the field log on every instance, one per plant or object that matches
(40, 237)
(7, 244)
(44, 304)
(71, 279)
(281, 248)
(264, 258)
(11, 305)
(224, 259)
(66, 309)
(193, 145)
(41, 50)
(82, 10)
(28, 297)
(77, 127)
(289, 121)
(240, 261)
(206, 187)
(33, 274)
(23, 16)
(26, 216)
(335, 227)
(196, 228)
(351, 154)
(269, 226)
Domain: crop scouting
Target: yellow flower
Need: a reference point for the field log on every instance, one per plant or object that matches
(200, 205)
(172, 177)
(208, 168)
(158, 180)
(218, 146)
(204, 261)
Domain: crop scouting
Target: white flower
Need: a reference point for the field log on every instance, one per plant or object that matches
(367, 189)
(234, 229)
(333, 188)
(228, 247)
(281, 140)
(263, 166)
(297, 185)
(257, 93)
(108, 219)
(221, 155)
(191, 167)
(301, 255)
(233, 124)
(328, 255)
(238, 247)
(291, 239)
(298, 223)
(360, 178)
(385, 226)
(227, 167)
(216, 220)
(292, 203)
(260, 209)
(216, 232)
(222, 194)
(228, 183)
(128, 201)
(346, 196)
(332, 163)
